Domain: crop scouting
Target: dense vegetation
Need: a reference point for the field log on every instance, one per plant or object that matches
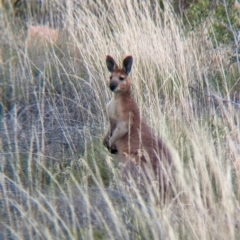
(57, 181)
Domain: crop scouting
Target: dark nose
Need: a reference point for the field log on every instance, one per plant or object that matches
(113, 86)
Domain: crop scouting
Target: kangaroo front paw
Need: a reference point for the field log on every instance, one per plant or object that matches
(113, 150)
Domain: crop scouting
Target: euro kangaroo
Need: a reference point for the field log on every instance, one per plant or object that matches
(129, 136)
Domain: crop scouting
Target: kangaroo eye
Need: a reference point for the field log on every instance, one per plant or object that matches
(110, 77)
(121, 78)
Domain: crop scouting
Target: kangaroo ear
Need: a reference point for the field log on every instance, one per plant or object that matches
(111, 64)
(127, 64)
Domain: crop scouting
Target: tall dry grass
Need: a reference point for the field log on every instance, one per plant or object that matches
(58, 181)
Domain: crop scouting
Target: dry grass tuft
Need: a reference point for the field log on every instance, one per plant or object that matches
(42, 33)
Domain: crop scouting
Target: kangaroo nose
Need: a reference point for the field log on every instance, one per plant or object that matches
(113, 86)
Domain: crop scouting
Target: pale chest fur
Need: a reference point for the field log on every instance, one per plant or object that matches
(120, 111)
(114, 110)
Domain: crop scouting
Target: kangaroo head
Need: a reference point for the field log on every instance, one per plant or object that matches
(119, 80)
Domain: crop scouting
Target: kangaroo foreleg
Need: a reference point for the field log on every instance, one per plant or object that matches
(106, 139)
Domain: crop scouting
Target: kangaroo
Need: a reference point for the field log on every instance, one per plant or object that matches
(129, 136)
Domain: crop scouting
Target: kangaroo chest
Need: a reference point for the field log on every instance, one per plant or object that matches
(114, 110)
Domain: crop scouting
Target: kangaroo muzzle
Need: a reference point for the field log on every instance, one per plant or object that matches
(113, 86)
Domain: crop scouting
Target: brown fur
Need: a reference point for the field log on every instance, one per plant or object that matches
(129, 136)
